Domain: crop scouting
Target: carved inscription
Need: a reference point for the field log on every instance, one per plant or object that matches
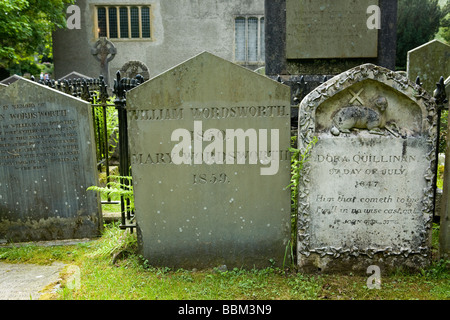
(207, 113)
(31, 139)
(212, 178)
(371, 193)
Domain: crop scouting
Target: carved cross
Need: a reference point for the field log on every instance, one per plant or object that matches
(104, 51)
(356, 96)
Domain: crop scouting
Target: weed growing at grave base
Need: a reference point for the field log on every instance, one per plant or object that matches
(115, 244)
(297, 162)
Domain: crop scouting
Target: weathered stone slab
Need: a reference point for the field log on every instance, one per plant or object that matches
(367, 190)
(26, 281)
(194, 214)
(329, 29)
(47, 161)
(10, 79)
(132, 68)
(73, 75)
(430, 62)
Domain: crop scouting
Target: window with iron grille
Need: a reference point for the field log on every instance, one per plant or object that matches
(123, 22)
(249, 39)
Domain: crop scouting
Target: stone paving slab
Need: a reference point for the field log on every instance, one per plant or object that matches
(25, 281)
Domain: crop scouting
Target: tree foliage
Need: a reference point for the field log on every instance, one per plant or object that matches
(417, 23)
(26, 26)
(445, 24)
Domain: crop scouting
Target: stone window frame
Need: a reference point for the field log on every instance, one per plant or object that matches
(260, 60)
(148, 34)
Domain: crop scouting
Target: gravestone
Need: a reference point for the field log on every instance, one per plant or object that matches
(10, 79)
(104, 51)
(206, 191)
(132, 68)
(346, 29)
(341, 26)
(367, 190)
(74, 75)
(430, 62)
(47, 161)
(311, 40)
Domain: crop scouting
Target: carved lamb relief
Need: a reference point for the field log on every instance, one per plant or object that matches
(360, 117)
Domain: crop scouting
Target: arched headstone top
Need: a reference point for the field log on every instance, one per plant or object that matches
(132, 68)
(371, 87)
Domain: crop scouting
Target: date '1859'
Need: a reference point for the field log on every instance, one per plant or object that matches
(211, 178)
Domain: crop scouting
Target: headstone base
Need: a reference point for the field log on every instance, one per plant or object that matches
(315, 263)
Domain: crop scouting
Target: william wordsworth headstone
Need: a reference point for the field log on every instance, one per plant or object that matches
(367, 190)
(209, 146)
(47, 161)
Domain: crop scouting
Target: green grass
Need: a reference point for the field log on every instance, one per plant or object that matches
(130, 280)
(42, 255)
(111, 269)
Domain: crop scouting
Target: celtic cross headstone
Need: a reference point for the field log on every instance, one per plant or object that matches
(104, 51)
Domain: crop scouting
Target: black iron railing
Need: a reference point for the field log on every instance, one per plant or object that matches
(96, 92)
